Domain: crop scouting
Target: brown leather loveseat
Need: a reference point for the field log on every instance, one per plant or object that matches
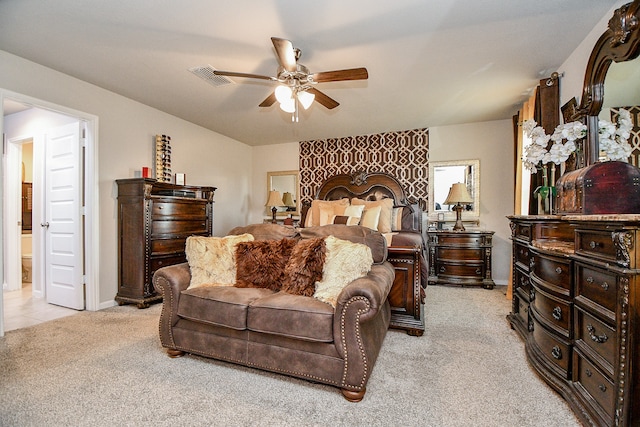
(295, 335)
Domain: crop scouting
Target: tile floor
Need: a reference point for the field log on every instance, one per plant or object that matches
(21, 309)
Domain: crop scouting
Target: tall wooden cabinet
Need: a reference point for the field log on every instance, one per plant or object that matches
(154, 221)
(577, 306)
(406, 296)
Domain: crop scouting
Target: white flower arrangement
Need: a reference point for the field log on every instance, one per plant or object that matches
(612, 139)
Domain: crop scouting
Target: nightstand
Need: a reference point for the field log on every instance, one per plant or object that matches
(460, 258)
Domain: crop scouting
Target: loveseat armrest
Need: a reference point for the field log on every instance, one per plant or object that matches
(360, 323)
(374, 287)
(170, 282)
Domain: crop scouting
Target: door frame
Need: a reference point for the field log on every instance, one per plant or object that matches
(91, 194)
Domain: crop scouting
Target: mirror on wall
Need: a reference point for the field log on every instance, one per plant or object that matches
(609, 75)
(444, 174)
(286, 182)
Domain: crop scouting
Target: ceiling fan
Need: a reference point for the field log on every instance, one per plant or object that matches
(296, 82)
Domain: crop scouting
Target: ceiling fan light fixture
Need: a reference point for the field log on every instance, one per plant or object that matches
(289, 106)
(283, 94)
(306, 98)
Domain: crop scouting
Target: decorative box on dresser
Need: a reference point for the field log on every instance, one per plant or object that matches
(460, 257)
(154, 221)
(576, 305)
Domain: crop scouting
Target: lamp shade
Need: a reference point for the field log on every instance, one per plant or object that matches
(287, 198)
(458, 194)
(283, 94)
(306, 98)
(275, 199)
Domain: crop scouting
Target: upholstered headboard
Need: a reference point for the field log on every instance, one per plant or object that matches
(370, 186)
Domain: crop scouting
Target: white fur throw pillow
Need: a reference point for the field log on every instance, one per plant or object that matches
(212, 260)
(345, 261)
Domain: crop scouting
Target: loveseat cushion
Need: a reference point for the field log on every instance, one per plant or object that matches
(267, 231)
(261, 263)
(292, 316)
(212, 259)
(219, 305)
(354, 233)
(304, 267)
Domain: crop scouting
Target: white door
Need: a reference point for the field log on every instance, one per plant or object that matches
(63, 217)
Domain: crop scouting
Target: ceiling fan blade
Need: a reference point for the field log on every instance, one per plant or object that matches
(323, 99)
(268, 102)
(248, 75)
(286, 54)
(339, 75)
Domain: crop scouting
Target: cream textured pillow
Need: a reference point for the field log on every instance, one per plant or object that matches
(371, 218)
(345, 261)
(337, 207)
(212, 260)
(386, 205)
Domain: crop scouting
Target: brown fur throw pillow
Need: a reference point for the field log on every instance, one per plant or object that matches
(304, 268)
(261, 263)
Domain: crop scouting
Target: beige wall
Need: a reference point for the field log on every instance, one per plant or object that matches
(489, 141)
(125, 144)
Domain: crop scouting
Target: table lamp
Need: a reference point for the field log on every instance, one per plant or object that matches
(287, 199)
(458, 194)
(274, 201)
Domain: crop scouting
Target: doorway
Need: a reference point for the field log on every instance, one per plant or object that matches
(24, 116)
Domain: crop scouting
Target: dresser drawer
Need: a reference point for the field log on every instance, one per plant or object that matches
(168, 246)
(597, 286)
(522, 283)
(522, 310)
(594, 385)
(444, 270)
(159, 262)
(553, 310)
(522, 255)
(554, 272)
(452, 239)
(595, 244)
(178, 209)
(597, 336)
(523, 231)
(183, 227)
(467, 254)
(555, 349)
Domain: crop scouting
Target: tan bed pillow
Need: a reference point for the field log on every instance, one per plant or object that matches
(212, 259)
(344, 262)
(328, 207)
(386, 208)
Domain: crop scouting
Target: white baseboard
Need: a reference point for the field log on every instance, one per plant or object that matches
(107, 304)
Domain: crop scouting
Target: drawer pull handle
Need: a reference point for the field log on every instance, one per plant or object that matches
(532, 295)
(593, 244)
(596, 338)
(589, 279)
(605, 286)
(478, 271)
(558, 270)
(588, 372)
(557, 313)
(556, 353)
(442, 269)
(602, 388)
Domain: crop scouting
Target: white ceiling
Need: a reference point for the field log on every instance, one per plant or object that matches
(430, 63)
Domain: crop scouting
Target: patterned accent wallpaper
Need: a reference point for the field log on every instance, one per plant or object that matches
(403, 154)
(634, 139)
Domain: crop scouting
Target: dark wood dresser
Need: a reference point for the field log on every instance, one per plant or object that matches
(576, 305)
(460, 258)
(154, 221)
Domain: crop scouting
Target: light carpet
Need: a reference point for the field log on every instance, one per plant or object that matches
(108, 368)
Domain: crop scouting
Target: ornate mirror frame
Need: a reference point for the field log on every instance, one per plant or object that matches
(283, 181)
(619, 43)
(473, 174)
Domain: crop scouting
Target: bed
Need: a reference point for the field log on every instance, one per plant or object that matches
(400, 221)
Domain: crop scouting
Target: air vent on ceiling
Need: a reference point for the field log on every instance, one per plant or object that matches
(205, 72)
